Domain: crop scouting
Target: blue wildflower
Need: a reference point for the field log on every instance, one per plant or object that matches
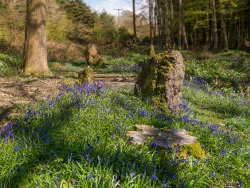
(154, 178)
(182, 185)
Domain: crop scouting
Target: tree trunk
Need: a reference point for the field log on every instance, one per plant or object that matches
(183, 26)
(172, 43)
(35, 47)
(152, 51)
(185, 36)
(180, 25)
(223, 26)
(239, 36)
(215, 30)
(167, 25)
(134, 20)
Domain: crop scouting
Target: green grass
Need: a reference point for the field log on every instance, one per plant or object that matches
(9, 65)
(231, 69)
(77, 139)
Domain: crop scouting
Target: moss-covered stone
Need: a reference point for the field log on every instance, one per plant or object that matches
(161, 79)
(92, 56)
(86, 76)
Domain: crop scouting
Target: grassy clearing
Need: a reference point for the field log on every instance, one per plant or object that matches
(222, 70)
(10, 66)
(77, 139)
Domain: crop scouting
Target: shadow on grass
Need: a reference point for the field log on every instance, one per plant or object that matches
(53, 140)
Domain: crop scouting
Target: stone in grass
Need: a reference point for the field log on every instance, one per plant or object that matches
(166, 138)
(86, 76)
(92, 56)
(161, 79)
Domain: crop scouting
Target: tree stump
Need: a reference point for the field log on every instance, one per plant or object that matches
(161, 79)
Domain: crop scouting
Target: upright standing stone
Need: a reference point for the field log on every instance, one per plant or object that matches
(161, 79)
(92, 56)
(86, 76)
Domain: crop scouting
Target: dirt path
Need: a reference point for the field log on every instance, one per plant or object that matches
(14, 91)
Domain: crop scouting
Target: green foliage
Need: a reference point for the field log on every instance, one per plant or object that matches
(78, 11)
(59, 27)
(124, 35)
(9, 65)
(104, 30)
(222, 70)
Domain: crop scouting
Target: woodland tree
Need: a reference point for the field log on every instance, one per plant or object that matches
(134, 19)
(35, 47)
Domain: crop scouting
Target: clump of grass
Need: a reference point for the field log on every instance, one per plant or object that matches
(222, 70)
(9, 65)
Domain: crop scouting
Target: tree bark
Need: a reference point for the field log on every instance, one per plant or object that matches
(180, 25)
(239, 36)
(134, 20)
(185, 41)
(223, 26)
(172, 43)
(185, 36)
(215, 30)
(35, 47)
(167, 25)
(151, 6)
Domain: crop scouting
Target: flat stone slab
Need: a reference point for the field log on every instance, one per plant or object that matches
(160, 138)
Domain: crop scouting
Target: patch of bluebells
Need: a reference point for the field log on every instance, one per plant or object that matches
(7, 132)
(79, 91)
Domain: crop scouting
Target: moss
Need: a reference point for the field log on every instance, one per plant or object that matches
(156, 69)
(86, 76)
(194, 149)
(30, 71)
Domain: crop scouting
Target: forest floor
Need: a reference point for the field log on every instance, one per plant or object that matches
(16, 91)
(76, 137)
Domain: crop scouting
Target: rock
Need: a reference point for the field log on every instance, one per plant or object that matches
(86, 76)
(162, 139)
(92, 56)
(161, 79)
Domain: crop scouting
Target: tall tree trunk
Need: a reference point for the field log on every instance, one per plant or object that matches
(207, 30)
(35, 48)
(163, 18)
(172, 43)
(185, 36)
(215, 30)
(183, 26)
(180, 25)
(151, 6)
(167, 25)
(239, 36)
(134, 20)
(223, 26)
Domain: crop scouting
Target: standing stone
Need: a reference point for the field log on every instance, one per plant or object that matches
(92, 56)
(161, 79)
(86, 76)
